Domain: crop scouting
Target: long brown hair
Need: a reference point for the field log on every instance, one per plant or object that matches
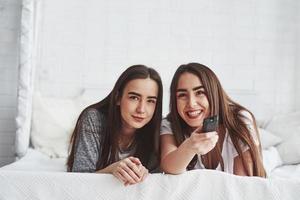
(147, 137)
(230, 118)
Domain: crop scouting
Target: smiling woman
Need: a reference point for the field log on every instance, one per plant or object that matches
(192, 103)
(119, 135)
(234, 146)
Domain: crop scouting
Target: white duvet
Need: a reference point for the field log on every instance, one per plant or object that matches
(196, 184)
(37, 161)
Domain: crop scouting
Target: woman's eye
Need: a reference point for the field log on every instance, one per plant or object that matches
(181, 95)
(134, 97)
(152, 101)
(199, 93)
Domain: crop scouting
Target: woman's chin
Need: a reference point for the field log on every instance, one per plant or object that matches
(194, 123)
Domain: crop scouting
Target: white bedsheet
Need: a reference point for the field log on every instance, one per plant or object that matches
(196, 184)
(37, 161)
(287, 172)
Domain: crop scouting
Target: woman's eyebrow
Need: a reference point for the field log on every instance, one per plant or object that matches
(134, 93)
(185, 90)
(137, 94)
(152, 97)
(198, 87)
(181, 90)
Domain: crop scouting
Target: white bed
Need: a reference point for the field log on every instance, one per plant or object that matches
(287, 172)
(40, 173)
(196, 184)
(36, 161)
(43, 131)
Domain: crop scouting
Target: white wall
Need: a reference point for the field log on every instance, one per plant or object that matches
(297, 74)
(10, 12)
(251, 46)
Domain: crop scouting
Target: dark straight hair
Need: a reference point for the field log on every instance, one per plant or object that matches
(147, 137)
(230, 118)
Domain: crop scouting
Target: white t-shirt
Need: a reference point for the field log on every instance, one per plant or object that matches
(228, 151)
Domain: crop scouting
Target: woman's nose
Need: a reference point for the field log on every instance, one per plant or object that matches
(192, 101)
(141, 107)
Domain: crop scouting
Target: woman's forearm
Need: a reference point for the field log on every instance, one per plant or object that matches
(107, 170)
(176, 161)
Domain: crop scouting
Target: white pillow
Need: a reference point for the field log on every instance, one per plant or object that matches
(287, 127)
(290, 150)
(271, 159)
(53, 121)
(268, 139)
(284, 125)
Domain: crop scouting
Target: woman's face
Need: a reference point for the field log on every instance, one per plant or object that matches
(192, 102)
(138, 103)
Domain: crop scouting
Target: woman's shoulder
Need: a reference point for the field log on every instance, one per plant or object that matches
(90, 111)
(165, 127)
(92, 115)
(246, 116)
(91, 123)
(249, 120)
(165, 120)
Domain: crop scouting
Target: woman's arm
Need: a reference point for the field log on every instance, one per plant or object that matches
(87, 143)
(86, 154)
(239, 168)
(174, 160)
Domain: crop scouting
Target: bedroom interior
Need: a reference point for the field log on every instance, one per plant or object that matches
(69, 54)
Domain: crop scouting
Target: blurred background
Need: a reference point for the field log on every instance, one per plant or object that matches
(253, 46)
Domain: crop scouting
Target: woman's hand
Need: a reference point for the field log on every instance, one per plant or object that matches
(144, 172)
(129, 171)
(202, 143)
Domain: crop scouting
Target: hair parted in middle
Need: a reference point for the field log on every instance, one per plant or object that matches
(229, 113)
(147, 137)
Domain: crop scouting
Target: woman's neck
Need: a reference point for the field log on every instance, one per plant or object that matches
(126, 137)
(127, 131)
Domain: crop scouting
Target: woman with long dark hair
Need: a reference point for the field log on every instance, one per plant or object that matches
(119, 135)
(234, 146)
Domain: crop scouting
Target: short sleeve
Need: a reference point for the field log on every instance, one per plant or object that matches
(87, 144)
(165, 127)
(248, 120)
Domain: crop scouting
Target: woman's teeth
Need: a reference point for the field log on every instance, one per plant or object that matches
(194, 114)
